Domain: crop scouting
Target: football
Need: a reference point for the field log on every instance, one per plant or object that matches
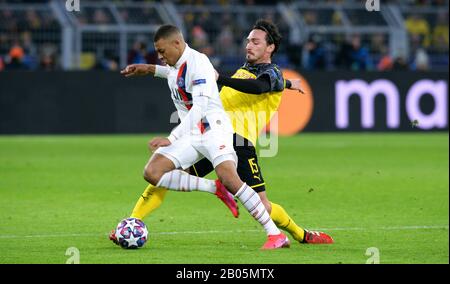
(131, 233)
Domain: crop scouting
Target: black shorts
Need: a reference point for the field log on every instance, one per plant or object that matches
(248, 168)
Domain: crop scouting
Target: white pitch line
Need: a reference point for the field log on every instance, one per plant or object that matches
(394, 228)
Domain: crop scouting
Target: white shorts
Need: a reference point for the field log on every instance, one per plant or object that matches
(214, 145)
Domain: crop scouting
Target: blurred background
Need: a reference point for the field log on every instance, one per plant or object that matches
(318, 35)
(333, 39)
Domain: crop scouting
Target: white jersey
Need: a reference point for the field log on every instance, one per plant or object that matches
(194, 74)
(205, 129)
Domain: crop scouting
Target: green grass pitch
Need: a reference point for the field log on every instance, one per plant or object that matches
(383, 191)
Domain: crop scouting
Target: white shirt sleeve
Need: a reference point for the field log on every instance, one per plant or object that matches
(162, 71)
(172, 136)
(202, 79)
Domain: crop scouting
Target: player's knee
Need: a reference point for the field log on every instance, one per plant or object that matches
(151, 174)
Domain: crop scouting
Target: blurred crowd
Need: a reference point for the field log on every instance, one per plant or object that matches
(30, 39)
(428, 46)
(27, 41)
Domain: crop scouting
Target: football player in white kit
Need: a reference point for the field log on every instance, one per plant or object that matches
(205, 131)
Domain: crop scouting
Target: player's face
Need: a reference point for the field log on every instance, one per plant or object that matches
(257, 49)
(168, 51)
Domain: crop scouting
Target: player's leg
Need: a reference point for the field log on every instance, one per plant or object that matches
(153, 196)
(226, 171)
(150, 200)
(164, 162)
(203, 168)
(250, 172)
(227, 174)
(183, 155)
(281, 218)
(156, 167)
(283, 221)
(218, 147)
(161, 170)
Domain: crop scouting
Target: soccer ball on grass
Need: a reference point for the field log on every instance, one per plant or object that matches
(131, 233)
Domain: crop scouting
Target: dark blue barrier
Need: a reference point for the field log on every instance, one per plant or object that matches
(104, 102)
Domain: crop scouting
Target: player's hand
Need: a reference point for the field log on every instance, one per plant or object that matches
(157, 142)
(296, 85)
(135, 70)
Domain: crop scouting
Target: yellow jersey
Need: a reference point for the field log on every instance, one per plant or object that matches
(250, 113)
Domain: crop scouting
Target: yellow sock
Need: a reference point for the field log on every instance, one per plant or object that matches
(149, 201)
(283, 221)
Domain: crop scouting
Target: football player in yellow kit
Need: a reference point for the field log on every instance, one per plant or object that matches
(254, 89)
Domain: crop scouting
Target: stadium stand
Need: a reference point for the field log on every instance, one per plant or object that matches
(329, 35)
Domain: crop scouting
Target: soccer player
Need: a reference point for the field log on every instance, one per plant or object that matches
(255, 87)
(205, 131)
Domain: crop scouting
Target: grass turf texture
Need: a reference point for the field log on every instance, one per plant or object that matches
(388, 191)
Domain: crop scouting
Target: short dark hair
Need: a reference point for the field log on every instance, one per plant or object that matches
(273, 35)
(165, 31)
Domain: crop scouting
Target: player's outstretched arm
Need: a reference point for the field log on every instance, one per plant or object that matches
(157, 142)
(138, 70)
(255, 86)
(145, 69)
(250, 86)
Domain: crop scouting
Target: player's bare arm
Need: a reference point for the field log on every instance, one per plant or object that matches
(138, 70)
(157, 142)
